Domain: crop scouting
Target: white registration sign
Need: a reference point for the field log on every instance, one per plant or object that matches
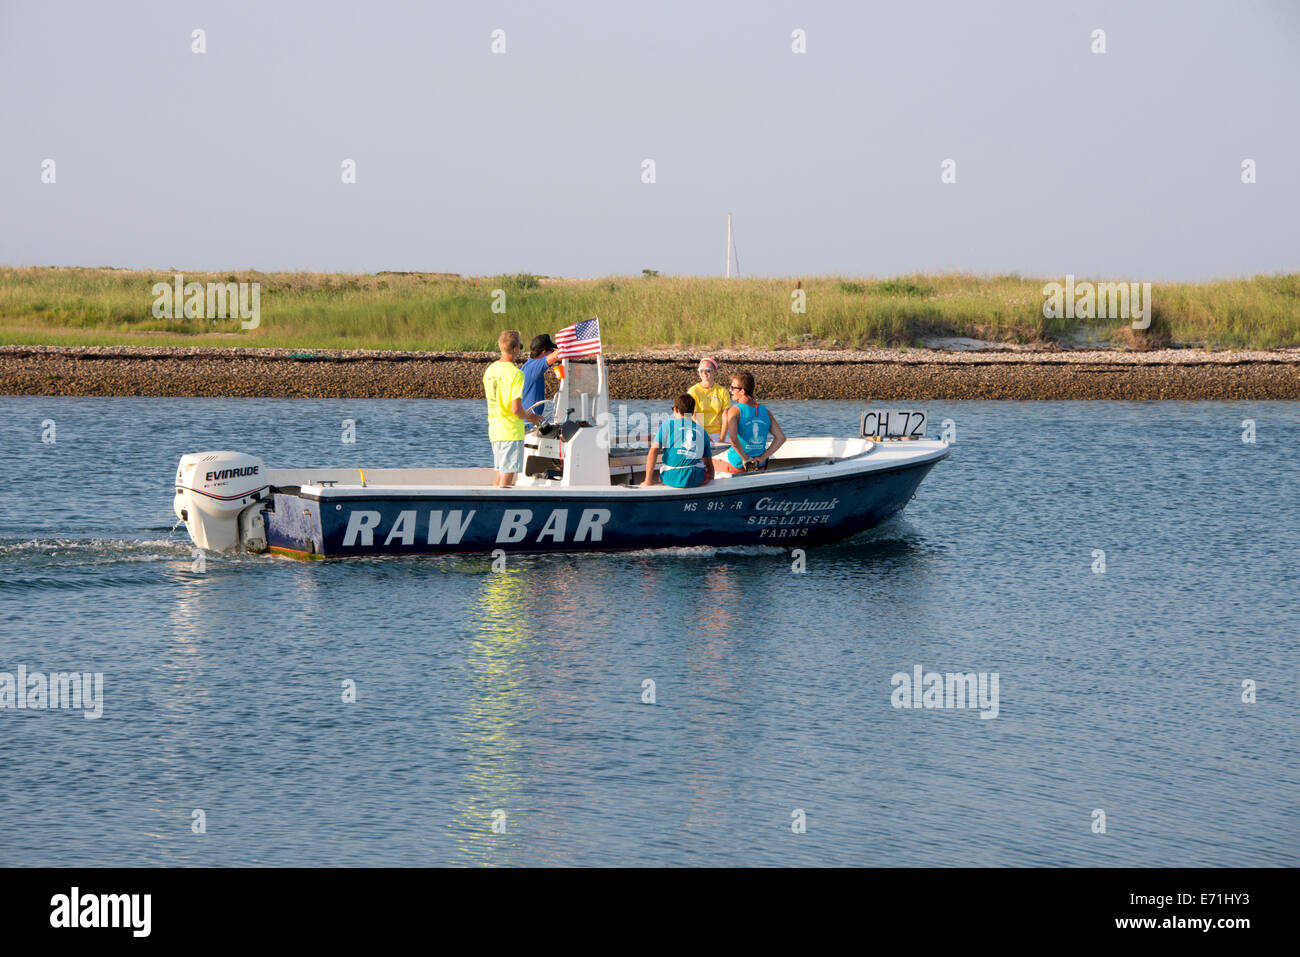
(893, 424)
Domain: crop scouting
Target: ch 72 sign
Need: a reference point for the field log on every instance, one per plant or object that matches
(893, 424)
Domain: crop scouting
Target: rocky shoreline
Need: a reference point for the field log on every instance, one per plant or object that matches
(781, 374)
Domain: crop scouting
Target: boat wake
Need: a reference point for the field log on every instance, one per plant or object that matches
(698, 551)
(92, 551)
(33, 565)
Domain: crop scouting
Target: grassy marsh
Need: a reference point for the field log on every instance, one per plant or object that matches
(439, 311)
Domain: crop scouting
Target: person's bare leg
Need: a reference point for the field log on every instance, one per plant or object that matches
(508, 479)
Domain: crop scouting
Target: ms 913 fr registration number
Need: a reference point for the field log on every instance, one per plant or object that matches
(893, 424)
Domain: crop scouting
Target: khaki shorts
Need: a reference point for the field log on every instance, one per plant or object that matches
(508, 456)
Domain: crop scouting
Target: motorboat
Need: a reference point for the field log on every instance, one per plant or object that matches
(580, 491)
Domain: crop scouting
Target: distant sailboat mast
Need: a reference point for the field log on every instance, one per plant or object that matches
(731, 250)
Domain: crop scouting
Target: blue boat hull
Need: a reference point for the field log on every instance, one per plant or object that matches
(722, 513)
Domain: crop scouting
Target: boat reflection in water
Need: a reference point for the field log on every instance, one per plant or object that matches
(495, 705)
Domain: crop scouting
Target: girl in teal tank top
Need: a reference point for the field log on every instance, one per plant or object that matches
(751, 431)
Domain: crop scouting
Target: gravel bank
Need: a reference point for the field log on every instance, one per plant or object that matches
(786, 374)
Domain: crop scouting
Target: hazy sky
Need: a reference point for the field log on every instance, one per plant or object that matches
(1120, 165)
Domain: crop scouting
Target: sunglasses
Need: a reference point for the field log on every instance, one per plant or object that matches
(736, 388)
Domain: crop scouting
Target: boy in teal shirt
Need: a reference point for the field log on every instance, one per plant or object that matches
(685, 447)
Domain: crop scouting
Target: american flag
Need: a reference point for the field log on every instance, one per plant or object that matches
(579, 339)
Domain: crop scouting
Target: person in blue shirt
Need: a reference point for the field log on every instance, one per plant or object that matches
(544, 354)
(685, 447)
(746, 427)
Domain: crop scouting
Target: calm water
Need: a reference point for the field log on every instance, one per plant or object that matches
(521, 690)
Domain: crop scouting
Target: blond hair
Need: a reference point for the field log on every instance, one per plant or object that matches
(509, 340)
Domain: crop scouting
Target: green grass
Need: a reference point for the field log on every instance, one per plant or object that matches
(438, 311)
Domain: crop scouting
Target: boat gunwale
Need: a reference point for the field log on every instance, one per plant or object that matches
(828, 472)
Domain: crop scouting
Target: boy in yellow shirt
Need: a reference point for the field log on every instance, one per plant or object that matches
(503, 383)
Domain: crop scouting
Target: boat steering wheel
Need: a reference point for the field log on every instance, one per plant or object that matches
(547, 412)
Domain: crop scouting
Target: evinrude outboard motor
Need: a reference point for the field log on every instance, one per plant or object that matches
(220, 497)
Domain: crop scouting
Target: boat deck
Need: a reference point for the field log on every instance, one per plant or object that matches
(801, 458)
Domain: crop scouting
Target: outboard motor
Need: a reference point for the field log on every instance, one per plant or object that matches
(219, 497)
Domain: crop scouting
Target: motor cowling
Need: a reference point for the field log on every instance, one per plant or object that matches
(212, 489)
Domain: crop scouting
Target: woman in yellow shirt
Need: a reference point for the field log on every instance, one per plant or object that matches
(711, 399)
